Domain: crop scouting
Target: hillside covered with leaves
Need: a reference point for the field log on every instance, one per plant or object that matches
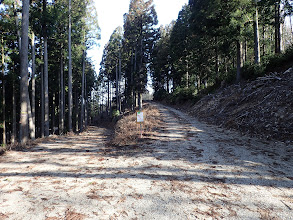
(262, 107)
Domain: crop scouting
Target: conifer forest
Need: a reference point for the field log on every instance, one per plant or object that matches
(50, 86)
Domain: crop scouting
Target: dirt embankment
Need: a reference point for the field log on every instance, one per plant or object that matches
(263, 107)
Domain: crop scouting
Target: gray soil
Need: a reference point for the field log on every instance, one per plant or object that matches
(188, 171)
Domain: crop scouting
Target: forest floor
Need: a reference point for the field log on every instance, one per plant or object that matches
(186, 170)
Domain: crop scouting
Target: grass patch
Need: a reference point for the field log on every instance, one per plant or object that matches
(127, 131)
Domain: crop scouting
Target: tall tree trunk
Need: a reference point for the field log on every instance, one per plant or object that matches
(42, 103)
(53, 113)
(46, 86)
(256, 38)
(136, 99)
(131, 80)
(117, 87)
(3, 93)
(24, 73)
(82, 112)
(109, 98)
(111, 86)
(282, 38)
(198, 83)
(13, 137)
(263, 38)
(61, 100)
(125, 86)
(140, 72)
(239, 61)
(291, 27)
(187, 72)
(86, 104)
(46, 89)
(167, 82)
(75, 122)
(103, 96)
(33, 132)
(14, 131)
(140, 101)
(277, 28)
(217, 59)
(119, 78)
(30, 118)
(69, 73)
(134, 73)
(272, 38)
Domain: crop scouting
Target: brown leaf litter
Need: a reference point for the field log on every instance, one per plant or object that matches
(262, 107)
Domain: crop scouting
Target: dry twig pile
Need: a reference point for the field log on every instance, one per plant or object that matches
(127, 130)
(262, 107)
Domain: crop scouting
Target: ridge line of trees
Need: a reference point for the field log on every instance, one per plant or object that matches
(125, 65)
(212, 43)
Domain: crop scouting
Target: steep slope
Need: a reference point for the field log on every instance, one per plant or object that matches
(263, 107)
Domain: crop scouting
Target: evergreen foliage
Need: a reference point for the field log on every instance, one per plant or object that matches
(213, 43)
(52, 23)
(129, 53)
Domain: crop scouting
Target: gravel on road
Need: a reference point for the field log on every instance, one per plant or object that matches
(190, 170)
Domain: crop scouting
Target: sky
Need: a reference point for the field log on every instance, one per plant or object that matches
(110, 16)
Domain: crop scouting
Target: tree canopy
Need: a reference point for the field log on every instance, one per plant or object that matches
(212, 43)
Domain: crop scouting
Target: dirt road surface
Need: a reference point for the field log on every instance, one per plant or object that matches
(189, 171)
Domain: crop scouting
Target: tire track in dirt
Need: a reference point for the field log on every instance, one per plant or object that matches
(190, 171)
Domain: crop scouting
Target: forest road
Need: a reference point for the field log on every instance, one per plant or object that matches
(188, 171)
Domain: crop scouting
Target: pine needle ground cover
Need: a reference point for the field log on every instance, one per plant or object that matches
(127, 130)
